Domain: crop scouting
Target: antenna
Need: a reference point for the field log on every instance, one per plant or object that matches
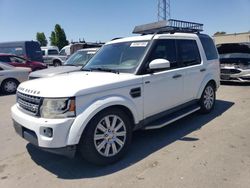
(163, 10)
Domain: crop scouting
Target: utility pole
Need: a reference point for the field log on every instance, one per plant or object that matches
(163, 10)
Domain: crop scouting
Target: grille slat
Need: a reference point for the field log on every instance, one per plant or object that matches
(230, 71)
(29, 103)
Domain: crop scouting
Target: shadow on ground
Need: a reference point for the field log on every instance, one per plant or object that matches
(144, 143)
(235, 83)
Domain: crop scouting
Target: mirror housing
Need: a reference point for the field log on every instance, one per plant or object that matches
(159, 64)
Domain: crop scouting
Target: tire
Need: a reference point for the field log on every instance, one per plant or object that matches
(207, 100)
(57, 63)
(101, 147)
(9, 86)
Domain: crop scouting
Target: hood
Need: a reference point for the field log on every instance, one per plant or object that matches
(77, 84)
(54, 71)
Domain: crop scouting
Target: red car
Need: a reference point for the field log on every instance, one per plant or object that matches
(17, 61)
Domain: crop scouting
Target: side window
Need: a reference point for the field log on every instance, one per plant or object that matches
(209, 47)
(43, 52)
(62, 52)
(17, 59)
(5, 59)
(188, 52)
(165, 49)
(52, 52)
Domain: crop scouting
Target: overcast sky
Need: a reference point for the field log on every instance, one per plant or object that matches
(102, 20)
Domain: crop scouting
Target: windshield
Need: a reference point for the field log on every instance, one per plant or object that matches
(122, 57)
(80, 58)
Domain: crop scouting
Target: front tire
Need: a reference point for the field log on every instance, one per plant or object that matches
(9, 86)
(208, 97)
(57, 63)
(107, 137)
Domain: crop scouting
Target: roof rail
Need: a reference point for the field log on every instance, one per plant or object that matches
(169, 26)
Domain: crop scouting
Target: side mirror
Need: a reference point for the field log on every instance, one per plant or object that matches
(159, 64)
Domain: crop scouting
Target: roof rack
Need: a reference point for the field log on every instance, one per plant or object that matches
(169, 26)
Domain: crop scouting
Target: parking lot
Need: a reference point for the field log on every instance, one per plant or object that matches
(198, 151)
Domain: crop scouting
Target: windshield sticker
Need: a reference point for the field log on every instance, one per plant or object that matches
(90, 52)
(139, 44)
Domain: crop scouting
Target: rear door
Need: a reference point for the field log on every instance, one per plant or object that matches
(190, 59)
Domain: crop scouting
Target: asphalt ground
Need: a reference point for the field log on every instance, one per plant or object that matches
(210, 150)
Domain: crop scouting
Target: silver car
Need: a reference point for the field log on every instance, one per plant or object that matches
(235, 62)
(74, 63)
(11, 76)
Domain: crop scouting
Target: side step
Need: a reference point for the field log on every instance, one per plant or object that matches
(162, 122)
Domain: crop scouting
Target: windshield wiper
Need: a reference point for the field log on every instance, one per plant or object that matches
(102, 70)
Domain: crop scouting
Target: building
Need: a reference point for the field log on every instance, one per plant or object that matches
(232, 38)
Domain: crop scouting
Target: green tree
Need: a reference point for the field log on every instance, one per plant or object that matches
(40, 37)
(53, 39)
(58, 37)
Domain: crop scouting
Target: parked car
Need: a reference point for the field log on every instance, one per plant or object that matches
(17, 61)
(235, 62)
(51, 56)
(74, 63)
(141, 82)
(10, 77)
(27, 49)
(72, 48)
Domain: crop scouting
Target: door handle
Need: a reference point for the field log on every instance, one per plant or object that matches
(177, 76)
(203, 70)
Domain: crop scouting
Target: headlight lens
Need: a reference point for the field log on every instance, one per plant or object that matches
(58, 108)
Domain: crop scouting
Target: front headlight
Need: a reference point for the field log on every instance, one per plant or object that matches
(58, 108)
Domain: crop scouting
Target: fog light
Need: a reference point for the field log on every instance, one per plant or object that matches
(48, 132)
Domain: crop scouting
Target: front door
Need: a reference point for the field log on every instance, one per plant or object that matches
(163, 90)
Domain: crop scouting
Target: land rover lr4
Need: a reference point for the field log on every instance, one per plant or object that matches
(141, 82)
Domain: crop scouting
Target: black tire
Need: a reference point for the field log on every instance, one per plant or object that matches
(57, 63)
(88, 146)
(5, 86)
(208, 98)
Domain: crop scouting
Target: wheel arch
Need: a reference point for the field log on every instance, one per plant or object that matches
(82, 120)
(208, 79)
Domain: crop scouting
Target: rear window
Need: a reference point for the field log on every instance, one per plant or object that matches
(209, 47)
(5, 59)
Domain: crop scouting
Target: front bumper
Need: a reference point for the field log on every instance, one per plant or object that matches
(235, 75)
(31, 129)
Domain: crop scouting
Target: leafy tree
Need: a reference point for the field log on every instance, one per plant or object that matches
(53, 39)
(40, 37)
(58, 37)
(220, 33)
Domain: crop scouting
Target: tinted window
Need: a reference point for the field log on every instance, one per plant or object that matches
(188, 52)
(52, 52)
(164, 49)
(209, 47)
(43, 52)
(5, 59)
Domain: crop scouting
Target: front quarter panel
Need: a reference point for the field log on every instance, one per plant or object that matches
(87, 111)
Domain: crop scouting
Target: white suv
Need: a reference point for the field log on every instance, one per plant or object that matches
(143, 82)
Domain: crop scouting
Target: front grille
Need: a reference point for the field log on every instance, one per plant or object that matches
(230, 71)
(29, 103)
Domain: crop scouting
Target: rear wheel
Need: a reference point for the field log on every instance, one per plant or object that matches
(207, 100)
(9, 86)
(107, 137)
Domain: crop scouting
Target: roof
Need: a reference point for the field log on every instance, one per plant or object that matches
(232, 34)
(149, 37)
(88, 49)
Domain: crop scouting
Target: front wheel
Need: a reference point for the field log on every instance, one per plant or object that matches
(107, 137)
(207, 100)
